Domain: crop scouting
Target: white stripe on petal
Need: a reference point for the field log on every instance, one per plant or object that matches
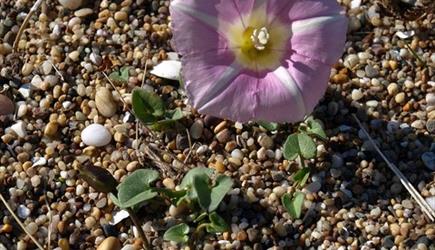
(220, 85)
(287, 80)
(203, 17)
(309, 24)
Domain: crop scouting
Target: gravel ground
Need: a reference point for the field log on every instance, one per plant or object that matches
(353, 201)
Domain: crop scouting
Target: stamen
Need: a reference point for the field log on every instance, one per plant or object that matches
(259, 38)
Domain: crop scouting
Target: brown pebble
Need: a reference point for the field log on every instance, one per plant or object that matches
(110, 243)
(7, 106)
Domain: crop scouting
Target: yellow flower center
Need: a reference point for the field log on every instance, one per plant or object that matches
(257, 44)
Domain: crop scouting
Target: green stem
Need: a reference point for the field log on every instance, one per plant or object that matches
(415, 54)
(135, 220)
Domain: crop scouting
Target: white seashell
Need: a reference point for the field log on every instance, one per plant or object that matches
(96, 135)
(40, 161)
(119, 216)
(405, 34)
(168, 69)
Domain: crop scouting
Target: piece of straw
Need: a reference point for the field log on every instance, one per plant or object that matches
(405, 182)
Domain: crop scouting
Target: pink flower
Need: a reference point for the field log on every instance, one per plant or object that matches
(257, 59)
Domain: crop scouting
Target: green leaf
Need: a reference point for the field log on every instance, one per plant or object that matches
(202, 189)
(121, 75)
(139, 198)
(271, 126)
(218, 192)
(217, 224)
(299, 144)
(115, 200)
(188, 178)
(291, 147)
(301, 176)
(136, 187)
(177, 233)
(307, 146)
(147, 106)
(293, 205)
(175, 114)
(315, 128)
(98, 178)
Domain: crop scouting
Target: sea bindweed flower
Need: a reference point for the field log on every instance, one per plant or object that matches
(257, 59)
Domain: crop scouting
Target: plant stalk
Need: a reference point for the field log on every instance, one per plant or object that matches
(135, 220)
(34, 8)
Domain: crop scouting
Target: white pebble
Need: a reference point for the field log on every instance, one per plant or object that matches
(96, 135)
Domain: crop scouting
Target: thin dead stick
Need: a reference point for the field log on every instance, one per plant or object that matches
(414, 193)
(57, 70)
(50, 217)
(19, 222)
(144, 74)
(135, 220)
(190, 153)
(34, 8)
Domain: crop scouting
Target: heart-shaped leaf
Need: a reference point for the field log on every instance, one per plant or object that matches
(294, 204)
(177, 233)
(121, 75)
(188, 178)
(217, 224)
(136, 187)
(315, 128)
(147, 106)
(202, 189)
(222, 187)
(299, 144)
(302, 176)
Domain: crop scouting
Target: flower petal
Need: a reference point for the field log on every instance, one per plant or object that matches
(321, 38)
(312, 78)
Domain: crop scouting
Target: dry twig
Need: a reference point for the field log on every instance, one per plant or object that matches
(34, 8)
(19, 222)
(405, 182)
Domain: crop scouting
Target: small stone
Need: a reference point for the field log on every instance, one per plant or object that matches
(395, 229)
(32, 228)
(196, 129)
(169, 183)
(351, 61)
(83, 12)
(35, 180)
(223, 136)
(418, 124)
(27, 69)
(265, 141)
(430, 126)
(242, 235)
(75, 55)
(7, 106)
(23, 212)
(121, 16)
(96, 135)
(46, 67)
(71, 4)
(371, 72)
(110, 243)
(357, 94)
(19, 128)
(237, 153)
(104, 102)
(90, 222)
(313, 187)
(392, 89)
(430, 99)
(428, 159)
(51, 129)
(400, 97)
(375, 212)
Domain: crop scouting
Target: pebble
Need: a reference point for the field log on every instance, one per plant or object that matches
(357, 94)
(83, 12)
(23, 212)
(392, 89)
(71, 4)
(105, 103)
(7, 106)
(430, 126)
(20, 129)
(313, 187)
(35, 180)
(32, 228)
(51, 129)
(121, 16)
(110, 243)
(196, 129)
(27, 69)
(74, 55)
(96, 135)
(428, 159)
(371, 72)
(430, 99)
(375, 212)
(431, 201)
(223, 136)
(265, 141)
(400, 97)
(46, 67)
